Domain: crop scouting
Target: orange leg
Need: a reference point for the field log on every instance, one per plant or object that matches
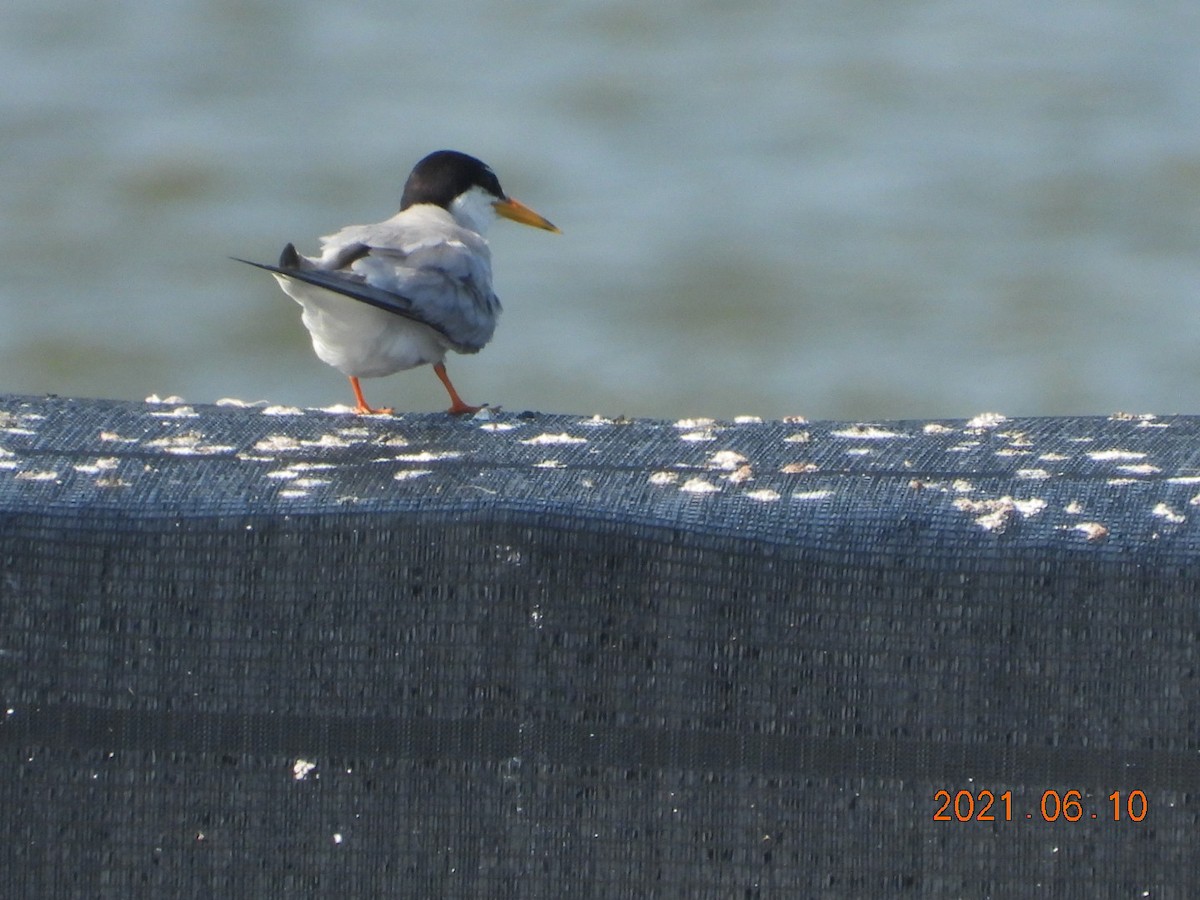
(362, 408)
(457, 407)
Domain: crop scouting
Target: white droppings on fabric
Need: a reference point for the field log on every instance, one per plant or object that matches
(698, 486)
(1012, 451)
(355, 432)
(410, 474)
(599, 420)
(995, 521)
(1031, 507)
(1163, 511)
(1184, 479)
(1016, 438)
(1120, 416)
(763, 495)
(294, 470)
(1112, 455)
(187, 440)
(1053, 457)
(800, 437)
(664, 478)
(498, 426)
(794, 420)
(863, 432)
(958, 487)
(997, 514)
(937, 428)
(427, 456)
(549, 464)
(726, 460)
(115, 438)
(1116, 482)
(155, 399)
(562, 438)
(694, 423)
(698, 437)
(1032, 474)
(37, 475)
(310, 482)
(276, 443)
(13, 423)
(106, 464)
(302, 768)
(8, 464)
(799, 468)
(331, 441)
(240, 404)
(1074, 508)
(987, 420)
(964, 447)
(110, 481)
(1140, 469)
(179, 412)
(282, 411)
(859, 451)
(812, 495)
(393, 440)
(1195, 501)
(293, 494)
(740, 475)
(1093, 531)
(328, 441)
(485, 413)
(747, 420)
(189, 443)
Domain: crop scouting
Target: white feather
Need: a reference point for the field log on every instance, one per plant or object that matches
(437, 260)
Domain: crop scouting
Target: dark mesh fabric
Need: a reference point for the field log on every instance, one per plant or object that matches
(253, 652)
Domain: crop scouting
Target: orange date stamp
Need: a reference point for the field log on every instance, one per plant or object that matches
(1054, 806)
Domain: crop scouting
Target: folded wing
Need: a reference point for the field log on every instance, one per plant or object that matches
(440, 281)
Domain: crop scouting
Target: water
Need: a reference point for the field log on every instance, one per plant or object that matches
(849, 210)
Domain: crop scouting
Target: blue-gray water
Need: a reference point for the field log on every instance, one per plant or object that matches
(834, 209)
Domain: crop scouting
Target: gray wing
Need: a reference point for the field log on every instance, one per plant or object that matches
(439, 276)
(443, 270)
(346, 283)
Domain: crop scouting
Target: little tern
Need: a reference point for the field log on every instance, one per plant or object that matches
(398, 294)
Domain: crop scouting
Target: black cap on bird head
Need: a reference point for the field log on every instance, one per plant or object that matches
(445, 174)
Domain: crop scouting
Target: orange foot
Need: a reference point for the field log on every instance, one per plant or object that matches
(361, 407)
(457, 406)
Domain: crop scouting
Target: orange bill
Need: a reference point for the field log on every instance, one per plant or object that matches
(519, 212)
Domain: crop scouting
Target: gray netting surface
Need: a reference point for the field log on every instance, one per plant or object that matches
(254, 652)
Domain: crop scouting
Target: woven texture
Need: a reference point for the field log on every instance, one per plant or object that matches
(251, 652)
